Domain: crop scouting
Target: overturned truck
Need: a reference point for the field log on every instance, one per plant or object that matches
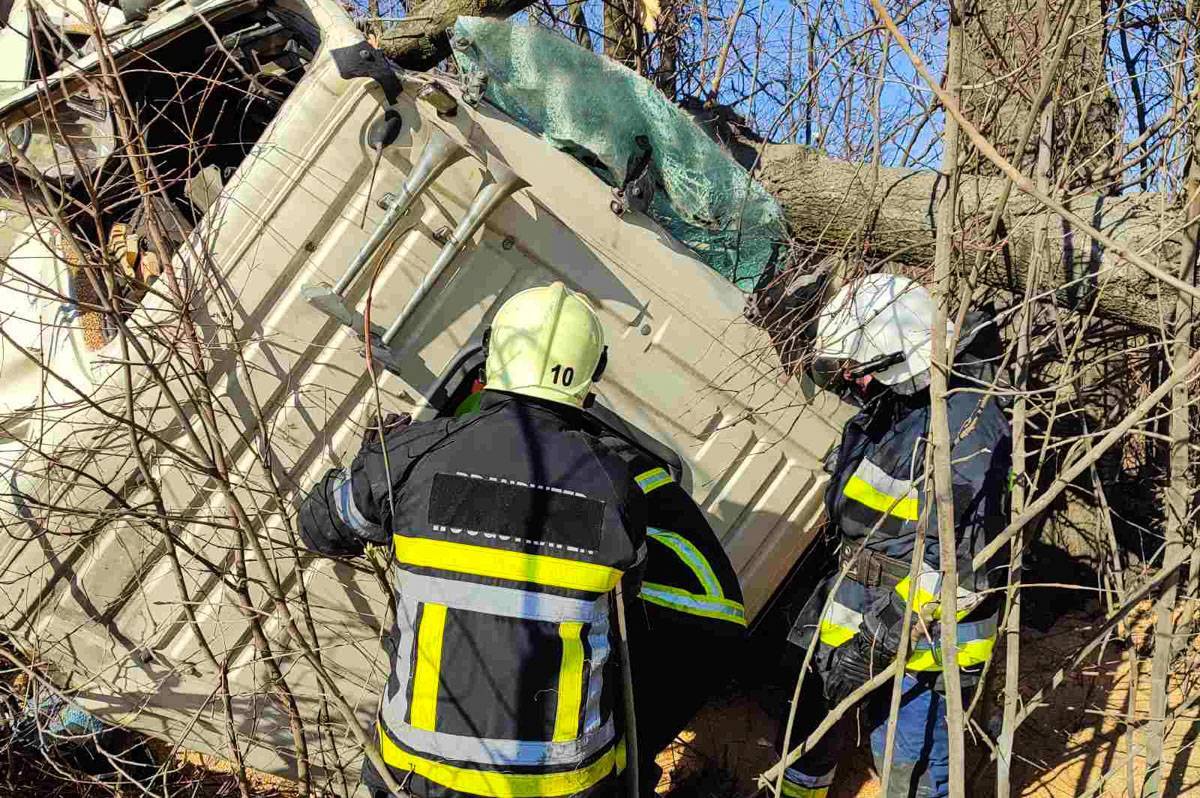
(231, 234)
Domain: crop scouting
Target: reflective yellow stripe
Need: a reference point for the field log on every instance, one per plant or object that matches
(570, 682)
(674, 598)
(925, 597)
(839, 623)
(493, 784)
(691, 556)
(654, 478)
(976, 652)
(796, 791)
(834, 635)
(804, 785)
(428, 667)
(500, 564)
(973, 652)
(863, 492)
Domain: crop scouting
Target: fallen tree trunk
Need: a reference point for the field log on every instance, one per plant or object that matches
(421, 40)
(831, 204)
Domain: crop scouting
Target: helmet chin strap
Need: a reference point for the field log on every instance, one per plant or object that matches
(878, 364)
(601, 365)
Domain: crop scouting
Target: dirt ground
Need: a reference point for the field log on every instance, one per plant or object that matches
(1076, 745)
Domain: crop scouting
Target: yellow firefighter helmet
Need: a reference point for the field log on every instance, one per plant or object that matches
(548, 343)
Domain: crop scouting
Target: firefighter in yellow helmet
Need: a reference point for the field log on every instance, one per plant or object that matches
(689, 607)
(510, 530)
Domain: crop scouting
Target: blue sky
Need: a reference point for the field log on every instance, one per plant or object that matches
(768, 79)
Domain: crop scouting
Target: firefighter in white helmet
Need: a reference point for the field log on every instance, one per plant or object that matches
(873, 347)
(510, 530)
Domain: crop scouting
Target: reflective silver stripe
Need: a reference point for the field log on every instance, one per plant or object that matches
(395, 708)
(417, 588)
(347, 510)
(843, 616)
(967, 633)
(980, 630)
(598, 643)
(485, 751)
(882, 481)
(693, 604)
(967, 600)
(654, 478)
(692, 557)
(496, 600)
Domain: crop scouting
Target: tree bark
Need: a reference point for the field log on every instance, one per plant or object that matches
(620, 34)
(939, 423)
(422, 40)
(829, 203)
(1007, 38)
(1180, 491)
(669, 34)
(578, 20)
(1012, 624)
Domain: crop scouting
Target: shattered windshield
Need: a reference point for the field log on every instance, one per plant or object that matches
(201, 92)
(610, 118)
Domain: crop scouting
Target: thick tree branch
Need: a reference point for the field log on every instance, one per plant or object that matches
(421, 40)
(830, 203)
(939, 424)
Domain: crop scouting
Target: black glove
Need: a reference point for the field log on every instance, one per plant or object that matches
(849, 670)
(881, 627)
(391, 423)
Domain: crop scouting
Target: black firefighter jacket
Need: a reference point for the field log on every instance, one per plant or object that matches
(510, 529)
(876, 495)
(686, 631)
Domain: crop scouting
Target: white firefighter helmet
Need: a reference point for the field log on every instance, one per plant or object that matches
(880, 324)
(546, 342)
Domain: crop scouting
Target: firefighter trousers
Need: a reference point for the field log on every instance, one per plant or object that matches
(920, 764)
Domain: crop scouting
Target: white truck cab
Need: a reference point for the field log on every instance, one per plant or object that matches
(120, 568)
